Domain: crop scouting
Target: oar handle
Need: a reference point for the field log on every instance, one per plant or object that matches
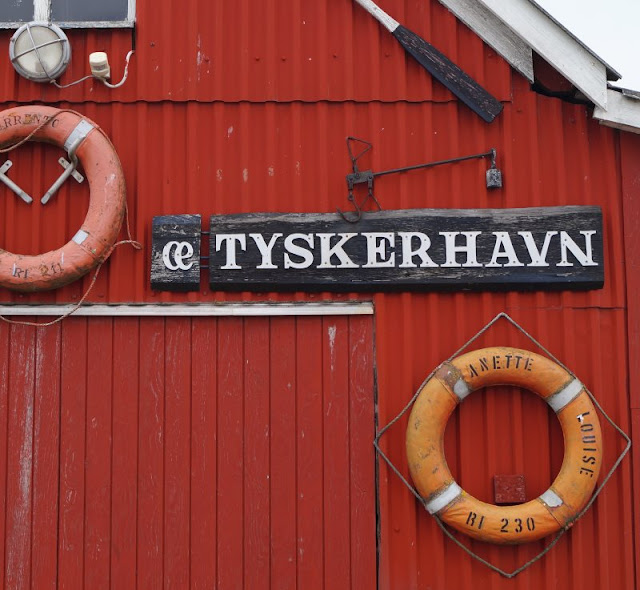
(380, 15)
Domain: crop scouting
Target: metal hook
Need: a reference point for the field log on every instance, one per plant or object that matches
(358, 177)
(352, 180)
(493, 157)
(356, 208)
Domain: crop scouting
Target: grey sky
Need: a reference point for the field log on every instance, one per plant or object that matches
(609, 27)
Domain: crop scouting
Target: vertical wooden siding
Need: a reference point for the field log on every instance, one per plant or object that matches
(188, 453)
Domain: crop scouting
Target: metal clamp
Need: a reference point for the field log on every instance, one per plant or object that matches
(358, 177)
(352, 180)
(69, 170)
(12, 185)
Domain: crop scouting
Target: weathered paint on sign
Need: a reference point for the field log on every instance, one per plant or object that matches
(537, 248)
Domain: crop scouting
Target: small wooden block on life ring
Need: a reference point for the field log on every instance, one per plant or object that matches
(508, 489)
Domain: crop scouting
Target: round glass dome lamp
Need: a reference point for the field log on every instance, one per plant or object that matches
(40, 51)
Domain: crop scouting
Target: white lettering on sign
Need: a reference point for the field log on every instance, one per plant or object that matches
(396, 250)
(327, 251)
(538, 257)
(504, 249)
(265, 249)
(377, 243)
(584, 258)
(175, 253)
(297, 250)
(424, 243)
(469, 248)
(230, 240)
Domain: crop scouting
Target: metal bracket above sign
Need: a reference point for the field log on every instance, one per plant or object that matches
(357, 177)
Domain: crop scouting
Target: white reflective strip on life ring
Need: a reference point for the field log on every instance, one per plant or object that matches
(444, 498)
(80, 131)
(461, 389)
(560, 399)
(80, 236)
(551, 499)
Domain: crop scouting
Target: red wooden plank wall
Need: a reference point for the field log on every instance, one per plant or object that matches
(188, 453)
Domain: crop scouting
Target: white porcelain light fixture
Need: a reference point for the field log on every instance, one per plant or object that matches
(40, 51)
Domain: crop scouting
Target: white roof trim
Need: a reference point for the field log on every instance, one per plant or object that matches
(581, 67)
(494, 33)
(516, 28)
(622, 112)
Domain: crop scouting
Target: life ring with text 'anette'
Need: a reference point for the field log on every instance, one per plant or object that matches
(92, 243)
(556, 508)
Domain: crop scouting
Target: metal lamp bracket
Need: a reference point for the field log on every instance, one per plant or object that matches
(493, 176)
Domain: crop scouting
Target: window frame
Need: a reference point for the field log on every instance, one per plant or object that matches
(42, 13)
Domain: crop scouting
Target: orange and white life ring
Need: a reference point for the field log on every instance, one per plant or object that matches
(93, 242)
(568, 494)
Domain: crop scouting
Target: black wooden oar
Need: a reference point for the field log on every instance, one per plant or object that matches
(438, 65)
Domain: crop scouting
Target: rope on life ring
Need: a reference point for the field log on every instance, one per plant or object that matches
(569, 493)
(95, 239)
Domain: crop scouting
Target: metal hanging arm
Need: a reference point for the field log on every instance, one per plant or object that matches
(494, 176)
(437, 163)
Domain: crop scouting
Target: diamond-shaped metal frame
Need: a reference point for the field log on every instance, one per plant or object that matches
(415, 492)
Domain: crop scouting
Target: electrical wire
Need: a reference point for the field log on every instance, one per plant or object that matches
(125, 75)
(109, 85)
(70, 84)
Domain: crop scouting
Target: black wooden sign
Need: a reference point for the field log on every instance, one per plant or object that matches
(175, 253)
(409, 249)
(425, 249)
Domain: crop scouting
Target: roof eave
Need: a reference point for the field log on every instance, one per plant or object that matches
(622, 112)
(517, 28)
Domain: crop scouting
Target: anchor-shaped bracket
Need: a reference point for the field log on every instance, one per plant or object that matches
(12, 185)
(69, 170)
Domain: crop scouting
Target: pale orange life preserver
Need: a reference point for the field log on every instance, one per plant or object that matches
(93, 242)
(570, 491)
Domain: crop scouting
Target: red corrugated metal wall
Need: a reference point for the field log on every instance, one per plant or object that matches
(505, 431)
(244, 107)
(630, 157)
(177, 453)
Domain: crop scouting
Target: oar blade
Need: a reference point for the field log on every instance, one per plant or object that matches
(446, 72)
